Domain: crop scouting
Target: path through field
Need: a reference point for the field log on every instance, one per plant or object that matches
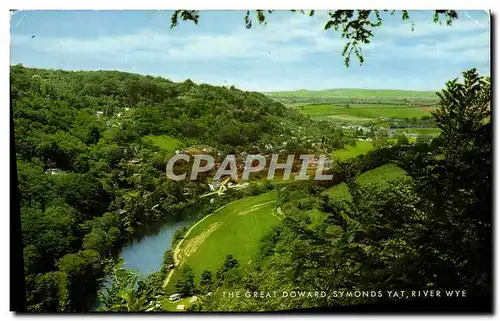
(178, 246)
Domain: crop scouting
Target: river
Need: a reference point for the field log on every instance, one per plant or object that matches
(146, 253)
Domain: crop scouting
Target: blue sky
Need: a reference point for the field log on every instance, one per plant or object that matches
(292, 52)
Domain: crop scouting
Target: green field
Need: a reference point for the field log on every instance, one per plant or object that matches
(163, 142)
(362, 147)
(344, 118)
(370, 105)
(420, 131)
(382, 124)
(379, 176)
(339, 192)
(235, 229)
(365, 111)
(355, 93)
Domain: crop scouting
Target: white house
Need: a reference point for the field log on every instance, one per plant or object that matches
(214, 185)
(54, 171)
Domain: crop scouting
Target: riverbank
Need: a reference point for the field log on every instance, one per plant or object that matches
(176, 251)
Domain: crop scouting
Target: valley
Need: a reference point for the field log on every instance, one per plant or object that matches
(92, 150)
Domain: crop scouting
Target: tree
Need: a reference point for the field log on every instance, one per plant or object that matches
(460, 185)
(185, 285)
(168, 258)
(434, 230)
(423, 139)
(402, 139)
(356, 26)
(206, 282)
(225, 273)
(380, 140)
(122, 295)
(50, 293)
(465, 108)
(456, 188)
(81, 270)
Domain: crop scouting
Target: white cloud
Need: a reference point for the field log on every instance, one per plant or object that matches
(281, 41)
(454, 48)
(425, 28)
(279, 56)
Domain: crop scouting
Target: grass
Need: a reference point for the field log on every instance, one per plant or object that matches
(369, 105)
(381, 176)
(353, 96)
(382, 124)
(362, 147)
(163, 142)
(356, 93)
(316, 217)
(236, 229)
(366, 111)
(347, 118)
(339, 192)
(168, 305)
(420, 131)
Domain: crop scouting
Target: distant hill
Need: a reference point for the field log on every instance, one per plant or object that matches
(354, 95)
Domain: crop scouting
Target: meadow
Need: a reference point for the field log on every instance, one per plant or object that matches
(353, 94)
(379, 177)
(338, 192)
(363, 111)
(420, 131)
(235, 229)
(163, 142)
(362, 147)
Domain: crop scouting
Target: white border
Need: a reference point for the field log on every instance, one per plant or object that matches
(254, 4)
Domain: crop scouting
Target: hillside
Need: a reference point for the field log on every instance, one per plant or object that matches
(98, 101)
(91, 150)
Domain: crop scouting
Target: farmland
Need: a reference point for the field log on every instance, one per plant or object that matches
(420, 131)
(354, 95)
(364, 111)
